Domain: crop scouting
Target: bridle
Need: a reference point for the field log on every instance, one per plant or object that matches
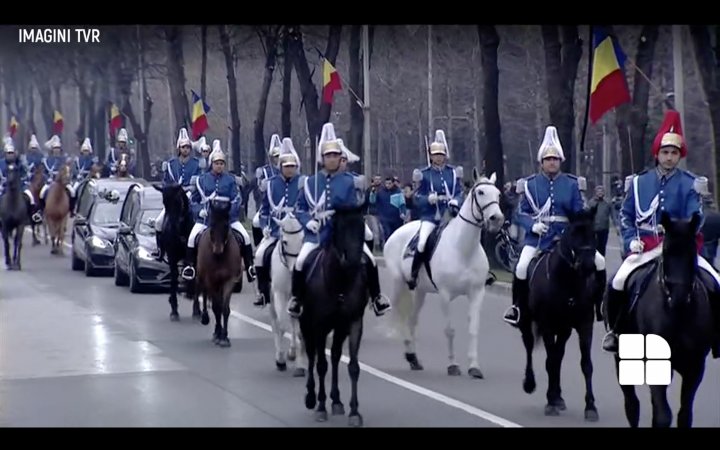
(475, 207)
(284, 254)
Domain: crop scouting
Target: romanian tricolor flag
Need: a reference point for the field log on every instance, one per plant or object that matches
(199, 116)
(12, 129)
(57, 122)
(116, 119)
(331, 81)
(608, 86)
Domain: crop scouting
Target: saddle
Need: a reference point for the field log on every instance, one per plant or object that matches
(430, 244)
(535, 263)
(312, 260)
(237, 235)
(267, 257)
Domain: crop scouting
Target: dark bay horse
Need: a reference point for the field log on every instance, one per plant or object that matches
(37, 181)
(674, 305)
(14, 215)
(219, 267)
(562, 297)
(173, 241)
(334, 300)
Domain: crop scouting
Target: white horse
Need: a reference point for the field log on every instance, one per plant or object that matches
(281, 266)
(459, 266)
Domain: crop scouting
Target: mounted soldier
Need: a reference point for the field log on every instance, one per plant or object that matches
(439, 190)
(217, 183)
(668, 189)
(179, 170)
(115, 155)
(34, 155)
(202, 148)
(84, 162)
(281, 198)
(262, 174)
(52, 164)
(11, 157)
(547, 199)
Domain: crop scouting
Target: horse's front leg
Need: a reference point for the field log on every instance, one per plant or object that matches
(217, 311)
(278, 332)
(19, 232)
(662, 414)
(335, 354)
(528, 339)
(322, 366)
(174, 315)
(225, 340)
(6, 242)
(555, 346)
(476, 301)
(691, 378)
(355, 337)
(310, 398)
(585, 333)
(301, 363)
(632, 403)
(410, 348)
(453, 368)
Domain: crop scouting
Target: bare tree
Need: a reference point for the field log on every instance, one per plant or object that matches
(232, 94)
(269, 38)
(287, 62)
(176, 75)
(494, 161)
(203, 69)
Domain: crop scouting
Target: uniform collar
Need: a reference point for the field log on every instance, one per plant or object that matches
(548, 176)
(438, 168)
(660, 174)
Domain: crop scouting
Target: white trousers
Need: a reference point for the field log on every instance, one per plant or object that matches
(529, 252)
(306, 249)
(30, 197)
(426, 227)
(44, 189)
(199, 228)
(635, 260)
(262, 248)
(368, 233)
(256, 220)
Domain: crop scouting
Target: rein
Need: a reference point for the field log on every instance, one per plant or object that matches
(478, 222)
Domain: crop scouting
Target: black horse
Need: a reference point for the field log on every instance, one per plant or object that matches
(673, 302)
(563, 296)
(172, 241)
(15, 215)
(335, 297)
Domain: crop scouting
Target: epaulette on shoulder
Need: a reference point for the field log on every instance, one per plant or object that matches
(417, 175)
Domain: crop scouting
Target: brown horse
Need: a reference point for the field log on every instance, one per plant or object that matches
(219, 268)
(57, 208)
(37, 181)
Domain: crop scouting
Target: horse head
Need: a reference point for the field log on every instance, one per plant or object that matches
(577, 244)
(13, 178)
(175, 201)
(482, 205)
(219, 224)
(679, 257)
(63, 174)
(348, 237)
(291, 234)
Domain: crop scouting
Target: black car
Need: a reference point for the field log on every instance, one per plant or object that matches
(96, 222)
(135, 242)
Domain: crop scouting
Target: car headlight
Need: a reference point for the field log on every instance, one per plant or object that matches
(97, 242)
(144, 254)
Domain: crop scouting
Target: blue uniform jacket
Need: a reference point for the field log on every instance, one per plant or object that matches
(442, 182)
(649, 194)
(4, 173)
(83, 164)
(180, 173)
(281, 194)
(34, 158)
(266, 172)
(52, 164)
(224, 185)
(552, 201)
(333, 191)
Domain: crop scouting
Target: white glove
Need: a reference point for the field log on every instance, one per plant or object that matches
(432, 198)
(636, 246)
(313, 226)
(203, 213)
(266, 232)
(540, 228)
(453, 203)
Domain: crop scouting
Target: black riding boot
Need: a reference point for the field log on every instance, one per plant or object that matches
(188, 272)
(72, 202)
(415, 269)
(298, 286)
(249, 260)
(159, 253)
(263, 281)
(599, 291)
(380, 303)
(257, 235)
(714, 297)
(41, 206)
(519, 298)
(616, 311)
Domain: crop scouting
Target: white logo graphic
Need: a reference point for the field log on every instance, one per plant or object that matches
(644, 360)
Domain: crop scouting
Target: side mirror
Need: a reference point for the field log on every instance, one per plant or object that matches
(80, 221)
(124, 229)
(151, 222)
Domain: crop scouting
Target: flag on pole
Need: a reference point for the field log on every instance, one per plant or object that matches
(199, 116)
(331, 81)
(608, 86)
(116, 119)
(57, 122)
(12, 129)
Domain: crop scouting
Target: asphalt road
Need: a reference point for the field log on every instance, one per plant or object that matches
(80, 351)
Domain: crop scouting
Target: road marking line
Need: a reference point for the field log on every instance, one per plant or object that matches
(438, 397)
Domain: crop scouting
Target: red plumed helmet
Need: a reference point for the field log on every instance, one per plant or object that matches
(670, 134)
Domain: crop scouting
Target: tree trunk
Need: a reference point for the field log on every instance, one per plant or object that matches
(287, 85)
(259, 126)
(489, 42)
(57, 100)
(561, 65)
(232, 94)
(30, 121)
(46, 108)
(203, 70)
(101, 117)
(356, 84)
(331, 51)
(307, 88)
(176, 76)
(708, 62)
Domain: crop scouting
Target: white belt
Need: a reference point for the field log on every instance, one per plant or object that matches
(555, 219)
(647, 227)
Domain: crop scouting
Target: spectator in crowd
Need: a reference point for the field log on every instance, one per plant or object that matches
(710, 230)
(371, 196)
(602, 218)
(390, 207)
(411, 213)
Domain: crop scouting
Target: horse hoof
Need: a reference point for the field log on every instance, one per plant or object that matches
(196, 316)
(475, 373)
(355, 421)
(560, 404)
(413, 360)
(338, 409)
(281, 366)
(205, 319)
(321, 416)
(454, 370)
(224, 342)
(591, 415)
(174, 317)
(215, 339)
(310, 400)
(291, 355)
(529, 385)
(551, 410)
(299, 373)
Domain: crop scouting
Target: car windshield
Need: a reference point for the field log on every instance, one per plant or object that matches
(106, 214)
(143, 226)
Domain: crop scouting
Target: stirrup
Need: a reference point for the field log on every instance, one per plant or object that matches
(380, 307)
(260, 300)
(188, 273)
(291, 311)
(610, 340)
(513, 322)
(37, 218)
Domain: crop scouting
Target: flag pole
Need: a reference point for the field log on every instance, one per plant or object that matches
(589, 89)
(366, 103)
